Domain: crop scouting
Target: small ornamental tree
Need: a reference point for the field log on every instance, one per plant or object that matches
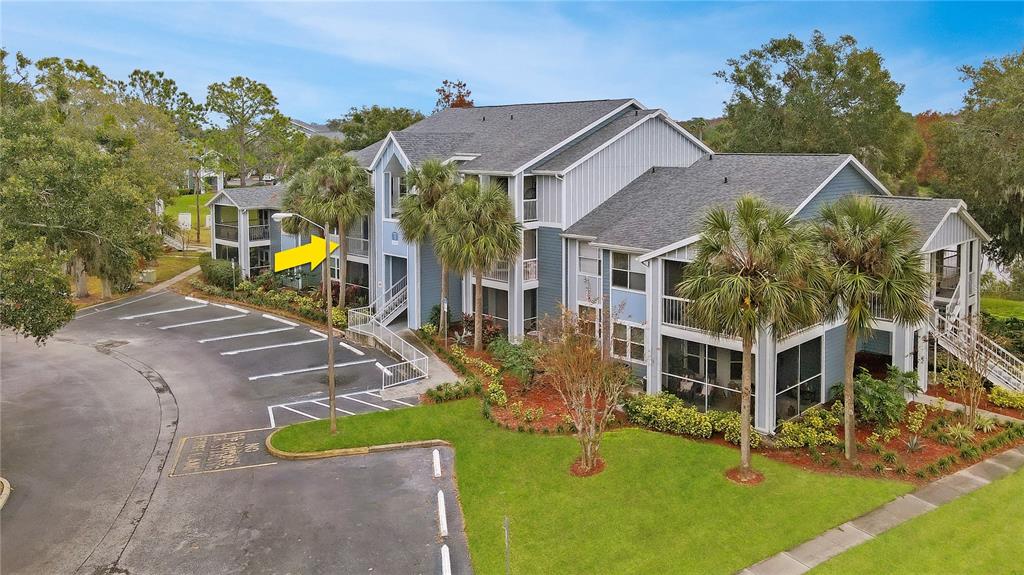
(589, 384)
(966, 379)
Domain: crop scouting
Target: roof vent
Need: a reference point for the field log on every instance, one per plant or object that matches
(483, 118)
(636, 112)
(510, 116)
(726, 180)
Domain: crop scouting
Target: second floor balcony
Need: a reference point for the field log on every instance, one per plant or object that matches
(530, 270)
(498, 273)
(259, 233)
(225, 231)
(357, 246)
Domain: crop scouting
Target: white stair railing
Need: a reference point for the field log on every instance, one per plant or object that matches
(961, 337)
(372, 321)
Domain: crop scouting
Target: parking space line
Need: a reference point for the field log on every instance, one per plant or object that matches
(120, 304)
(318, 334)
(299, 412)
(350, 348)
(246, 334)
(175, 310)
(197, 300)
(282, 320)
(229, 306)
(400, 402)
(336, 408)
(203, 321)
(306, 369)
(262, 347)
(378, 396)
(350, 398)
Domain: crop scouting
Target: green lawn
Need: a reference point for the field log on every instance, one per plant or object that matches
(978, 533)
(662, 505)
(1003, 307)
(171, 264)
(187, 204)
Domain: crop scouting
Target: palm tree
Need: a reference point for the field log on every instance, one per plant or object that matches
(872, 264)
(335, 190)
(418, 214)
(480, 230)
(754, 269)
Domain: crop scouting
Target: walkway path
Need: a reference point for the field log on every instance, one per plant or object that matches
(805, 556)
(168, 283)
(954, 406)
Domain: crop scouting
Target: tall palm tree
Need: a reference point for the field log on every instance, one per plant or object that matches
(754, 269)
(872, 262)
(419, 216)
(336, 190)
(480, 231)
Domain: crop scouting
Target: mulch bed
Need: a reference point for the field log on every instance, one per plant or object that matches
(578, 471)
(754, 477)
(985, 404)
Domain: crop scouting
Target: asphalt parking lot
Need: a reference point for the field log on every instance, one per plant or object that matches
(134, 440)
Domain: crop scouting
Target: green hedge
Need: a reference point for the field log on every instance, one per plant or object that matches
(1006, 398)
(282, 299)
(219, 273)
(668, 413)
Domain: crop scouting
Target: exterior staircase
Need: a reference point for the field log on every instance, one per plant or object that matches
(372, 321)
(961, 337)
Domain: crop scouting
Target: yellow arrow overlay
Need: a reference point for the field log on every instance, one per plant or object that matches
(312, 253)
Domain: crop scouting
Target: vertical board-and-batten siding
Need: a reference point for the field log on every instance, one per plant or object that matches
(950, 233)
(847, 182)
(652, 143)
(549, 199)
(549, 271)
(430, 279)
(833, 348)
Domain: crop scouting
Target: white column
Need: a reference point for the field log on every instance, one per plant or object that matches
(516, 303)
(923, 352)
(764, 401)
(243, 241)
(652, 334)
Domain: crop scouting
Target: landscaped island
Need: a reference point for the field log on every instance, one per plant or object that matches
(661, 505)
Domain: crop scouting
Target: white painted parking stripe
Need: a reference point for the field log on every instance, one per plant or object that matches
(446, 560)
(306, 370)
(442, 517)
(121, 304)
(317, 333)
(299, 412)
(225, 318)
(377, 395)
(437, 463)
(270, 412)
(350, 398)
(175, 310)
(282, 320)
(336, 408)
(262, 347)
(197, 300)
(350, 348)
(246, 334)
(400, 402)
(229, 306)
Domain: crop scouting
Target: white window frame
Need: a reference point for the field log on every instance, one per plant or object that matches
(800, 382)
(633, 267)
(631, 329)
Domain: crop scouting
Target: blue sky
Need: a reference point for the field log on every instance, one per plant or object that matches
(322, 58)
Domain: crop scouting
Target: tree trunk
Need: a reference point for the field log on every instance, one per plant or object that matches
(849, 424)
(747, 377)
(81, 285)
(342, 263)
(442, 322)
(108, 292)
(478, 309)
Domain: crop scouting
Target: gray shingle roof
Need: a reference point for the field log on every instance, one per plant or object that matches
(925, 213)
(504, 137)
(257, 196)
(587, 144)
(666, 205)
(366, 155)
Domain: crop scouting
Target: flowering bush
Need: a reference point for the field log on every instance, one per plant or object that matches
(815, 427)
(1006, 398)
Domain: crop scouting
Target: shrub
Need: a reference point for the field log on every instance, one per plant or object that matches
(728, 424)
(668, 413)
(496, 394)
(960, 433)
(429, 329)
(1006, 398)
(219, 272)
(435, 315)
(882, 401)
(815, 427)
(339, 317)
(520, 360)
(457, 390)
(986, 424)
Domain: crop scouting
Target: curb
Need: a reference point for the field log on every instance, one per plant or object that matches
(348, 451)
(5, 491)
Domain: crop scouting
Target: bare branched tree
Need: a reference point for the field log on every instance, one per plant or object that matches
(589, 383)
(966, 378)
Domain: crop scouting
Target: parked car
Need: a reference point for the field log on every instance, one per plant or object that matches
(269, 179)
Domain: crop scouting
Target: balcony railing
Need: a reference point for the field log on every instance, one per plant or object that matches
(227, 232)
(358, 246)
(258, 233)
(946, 281)
(675, 311)
(530, 210)
(529, 270)
(258, 269)
(877, 309)
(498, 273)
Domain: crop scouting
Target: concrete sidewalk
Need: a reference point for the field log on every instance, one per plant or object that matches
(806, 556)
(954, 406)
(168, 283)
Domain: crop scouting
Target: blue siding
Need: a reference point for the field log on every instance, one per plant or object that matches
(628, 305)
(606, 271)
(549, 271)
(847, 182)
(394, 243)
(832, 351)
(430, 279)
(877, 342)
